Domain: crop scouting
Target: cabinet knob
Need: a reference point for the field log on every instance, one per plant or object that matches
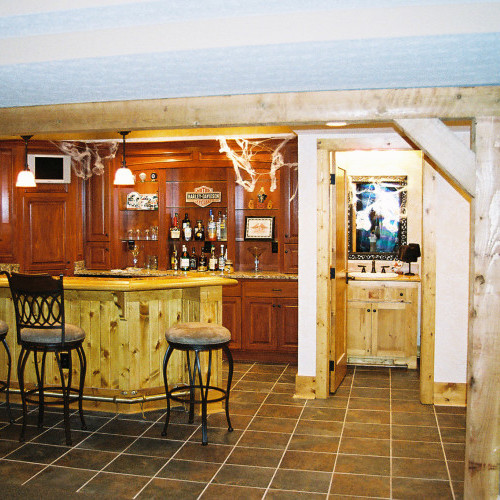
(374, 310)
(286, 251)
(286, 235)
(401, 294)
(368, 310)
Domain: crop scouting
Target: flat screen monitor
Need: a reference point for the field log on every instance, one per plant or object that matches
(50, 168)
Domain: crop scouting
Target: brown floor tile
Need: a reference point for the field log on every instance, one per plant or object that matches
(220, 491)
(175, 431)
(293, 495)
(60, 478)
(368, 416)
(260, 377)
(263, 457)
(237, 421)
(304, 460)
(107, 442)
(216, 435)
(405, 383)
(17, 473)
(374, 393)
(58, 438)
(455, 451)
(246, 409)
(211, 453)
(125, 427)
(279, 411)
(369, 404)
(7, 447)
(284, 388)
(360, 485)
(360, 464)
(86, 459)
(171, 489)
(342, 392)
(267, 368)
(330, 402)
(366, 374)
(264, 440)
(419, 419)
(285, 399)
(456, 410)
(272, 424)
(187, 470)
(405, 395)
(364, 446)
(458, 489)
(319, 427)
(410, 406)
(425, 489)
(164, 447)
(330, 414)
(244, 475)
(417, 449)
(452, 435)
(419, 467)
(380, 383)
(457, 421)
(118, 485)
(246, 397)
(136, 464)
(323, 444)
(457, 470)
(355, 429)
(298, 480)
(38, 453)
(287, 378)
(262, 387)
(414, 433)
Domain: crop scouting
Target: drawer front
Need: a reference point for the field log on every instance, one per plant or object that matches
(232, 291)
(377, 293)
(270, 288)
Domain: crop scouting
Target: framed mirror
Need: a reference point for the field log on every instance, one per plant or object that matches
(377, 224)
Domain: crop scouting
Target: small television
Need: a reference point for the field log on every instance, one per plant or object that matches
(50, 168)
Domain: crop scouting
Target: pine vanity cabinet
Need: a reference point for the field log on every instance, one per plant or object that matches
(382, 322)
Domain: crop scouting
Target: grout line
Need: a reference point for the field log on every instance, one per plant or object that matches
(341, 433)
(444, 453)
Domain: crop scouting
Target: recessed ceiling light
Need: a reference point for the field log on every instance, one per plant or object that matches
(336, 124)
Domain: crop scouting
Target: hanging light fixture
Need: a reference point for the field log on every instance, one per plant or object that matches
(124, 176)
(25, 178)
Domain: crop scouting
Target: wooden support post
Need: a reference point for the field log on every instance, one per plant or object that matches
(483, 396)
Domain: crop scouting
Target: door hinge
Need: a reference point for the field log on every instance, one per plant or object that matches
(332, 179)
(332, 365)
(332, 273)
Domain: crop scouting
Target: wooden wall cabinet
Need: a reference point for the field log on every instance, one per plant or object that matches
(267, 329)
(382, 322)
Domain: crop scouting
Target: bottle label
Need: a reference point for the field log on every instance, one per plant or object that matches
(184, 264)
(212, 264)
(187, 233)
(175, 233)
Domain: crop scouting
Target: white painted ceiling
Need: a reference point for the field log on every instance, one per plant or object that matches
(57, 51)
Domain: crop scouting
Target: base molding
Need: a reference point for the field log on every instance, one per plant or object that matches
(305, 387)
(450, 394)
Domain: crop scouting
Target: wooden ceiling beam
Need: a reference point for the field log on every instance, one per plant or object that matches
(292, 109)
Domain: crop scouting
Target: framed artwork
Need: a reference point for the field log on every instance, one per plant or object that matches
(259, 228)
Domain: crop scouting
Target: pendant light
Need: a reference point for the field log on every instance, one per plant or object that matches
(25, 178)
(124, 176)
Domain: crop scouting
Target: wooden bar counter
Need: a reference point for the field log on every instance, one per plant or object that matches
(125, 321)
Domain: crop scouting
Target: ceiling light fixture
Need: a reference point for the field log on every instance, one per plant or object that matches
(25, 178)
(124, 176)
(336, 124)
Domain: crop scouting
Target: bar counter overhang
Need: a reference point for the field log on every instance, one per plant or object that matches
(125, 319)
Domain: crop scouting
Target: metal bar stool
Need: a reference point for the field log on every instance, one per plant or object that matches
(41, 328)
(4, 386)
(198, 337)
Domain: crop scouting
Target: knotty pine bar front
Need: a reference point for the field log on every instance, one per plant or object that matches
(125, 321)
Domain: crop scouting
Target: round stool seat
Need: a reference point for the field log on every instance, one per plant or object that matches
(4, 327)
(196, 333)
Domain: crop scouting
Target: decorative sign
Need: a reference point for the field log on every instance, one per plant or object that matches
(203, 196)
(259, 228)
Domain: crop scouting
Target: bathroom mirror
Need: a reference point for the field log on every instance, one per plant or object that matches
(376, 217)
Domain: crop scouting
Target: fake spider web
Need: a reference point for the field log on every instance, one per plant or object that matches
(242, 161)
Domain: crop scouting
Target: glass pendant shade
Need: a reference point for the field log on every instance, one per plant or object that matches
(124, 176)
(26, 178)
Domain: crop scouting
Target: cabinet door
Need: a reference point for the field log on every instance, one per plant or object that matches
(288, 325)
(231, 319)
(97, 208)
(359, 328)
(291, 260)
(259, 317)
(389, 331)
(97, 255)
(7, 243)
(290, 178)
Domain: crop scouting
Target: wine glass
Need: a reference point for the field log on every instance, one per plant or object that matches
(256, 252)
(135, 255)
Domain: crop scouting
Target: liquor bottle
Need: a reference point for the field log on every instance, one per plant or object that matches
(193, 261)
(175, 232)
(211, 228)
(222, 259)
(217, 226)
(174, 263)
(202, 266)
(199, 232)
(223, 228)
(187, 230)
(184, 260)
(212, 261)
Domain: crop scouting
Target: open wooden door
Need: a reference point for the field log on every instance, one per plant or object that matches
(338, 283)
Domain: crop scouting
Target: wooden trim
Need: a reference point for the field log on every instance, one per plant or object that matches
(450, 394)
(292, 108)
(444, 148)
(428, 273)
(305, 387)
(483, 388)
(323, 276)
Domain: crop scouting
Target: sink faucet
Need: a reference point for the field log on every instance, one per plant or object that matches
(374, 270)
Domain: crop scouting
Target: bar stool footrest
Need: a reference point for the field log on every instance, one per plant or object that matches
(187, 399)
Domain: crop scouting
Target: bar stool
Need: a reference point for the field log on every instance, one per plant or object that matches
(198, 337)
(4, 386)
(42, 328)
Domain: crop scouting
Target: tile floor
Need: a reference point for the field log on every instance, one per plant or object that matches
(371, 439)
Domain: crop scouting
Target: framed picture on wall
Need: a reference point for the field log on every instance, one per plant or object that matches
(259, 228)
